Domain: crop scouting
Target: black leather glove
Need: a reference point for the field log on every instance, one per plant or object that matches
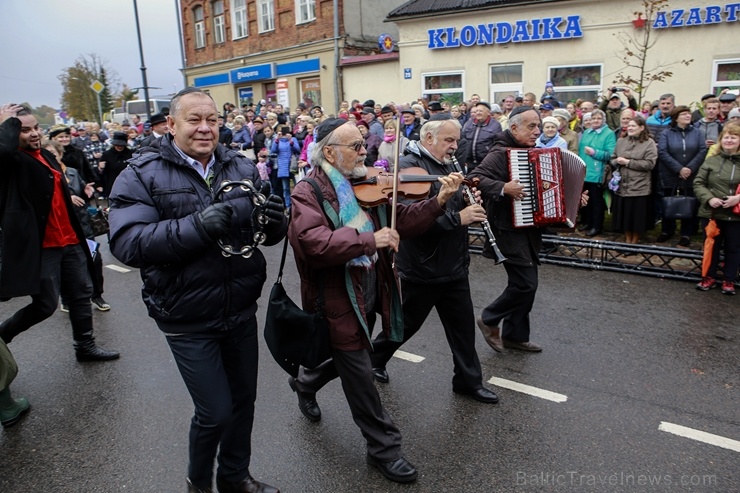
(274, 211)
(215, 220)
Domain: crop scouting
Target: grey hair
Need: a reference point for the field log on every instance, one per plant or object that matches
(597, 111)
(316, 154)
(435, 126)
(175, 101)
(668, 96)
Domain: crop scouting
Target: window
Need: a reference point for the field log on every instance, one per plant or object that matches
(506, 80)
(239, 19)
(305, 10)
(726, 73)
(443, 86)
(576, 82)
(219, 29)
(266, 15)
(200, 28)
(311, 92)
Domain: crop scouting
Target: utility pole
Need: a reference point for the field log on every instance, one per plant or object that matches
(143, 67)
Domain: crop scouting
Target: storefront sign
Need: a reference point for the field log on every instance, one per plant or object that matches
(311, 92)
(545, 29)
(255, 72)
(283, 96)
(712, 14)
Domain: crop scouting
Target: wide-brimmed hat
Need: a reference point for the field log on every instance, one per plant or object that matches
(119, 139)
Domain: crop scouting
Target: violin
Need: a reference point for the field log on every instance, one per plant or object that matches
(377, 186)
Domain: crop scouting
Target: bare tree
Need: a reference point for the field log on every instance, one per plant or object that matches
(635, 52)
(78, 98)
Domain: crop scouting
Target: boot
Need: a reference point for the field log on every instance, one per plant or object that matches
(86, 350)
(12, 410)
(194, 489)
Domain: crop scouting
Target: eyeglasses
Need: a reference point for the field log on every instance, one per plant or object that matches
(354, 145)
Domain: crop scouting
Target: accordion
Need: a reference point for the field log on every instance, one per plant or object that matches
(552, 180)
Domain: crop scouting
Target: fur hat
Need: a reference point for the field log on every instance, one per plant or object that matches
(59, 128)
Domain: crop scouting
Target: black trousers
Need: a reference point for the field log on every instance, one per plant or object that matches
(355, 371)
(219, 369)
(688, 226)
(63, 270)
(515, 303)
(455, 309)
(729, 240)
(592, 214)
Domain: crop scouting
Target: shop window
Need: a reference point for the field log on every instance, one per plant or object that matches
(200, 28)
(266, 15)
(443, 86)
(726, 73)
(311, 92)
(239, 21)
(219, 29)
(305, 11)
(506, 80)
(576, 82)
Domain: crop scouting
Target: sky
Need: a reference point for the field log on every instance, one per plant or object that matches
(43, 37)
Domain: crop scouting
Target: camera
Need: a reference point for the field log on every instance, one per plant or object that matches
(617, 89)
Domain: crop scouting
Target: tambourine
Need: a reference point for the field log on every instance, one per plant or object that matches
(259, 220)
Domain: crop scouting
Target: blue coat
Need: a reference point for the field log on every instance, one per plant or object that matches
(188, 285)
(243, 138)
(285, 149)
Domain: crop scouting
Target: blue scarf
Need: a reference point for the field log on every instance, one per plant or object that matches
(350, 212)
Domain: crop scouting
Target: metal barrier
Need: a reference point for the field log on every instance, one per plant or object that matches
(647, 260)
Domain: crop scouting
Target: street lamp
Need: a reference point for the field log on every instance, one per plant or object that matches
(143, 67)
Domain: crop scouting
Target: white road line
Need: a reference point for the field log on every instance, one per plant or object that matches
(117, 268)
(408, 356)
(700, 436)
(526, 389)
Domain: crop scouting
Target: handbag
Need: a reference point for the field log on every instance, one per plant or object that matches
(295, 337)
(679, 206)
(736, 209)
(98, 220)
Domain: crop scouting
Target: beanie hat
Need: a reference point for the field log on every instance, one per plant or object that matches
(551, 119)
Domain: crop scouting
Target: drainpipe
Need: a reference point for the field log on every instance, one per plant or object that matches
(182, 42)
(337, 69)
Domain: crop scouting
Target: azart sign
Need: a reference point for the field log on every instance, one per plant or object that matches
(695, 17)
(545, 29)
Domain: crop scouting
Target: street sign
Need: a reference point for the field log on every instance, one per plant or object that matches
(407, 73)
(97, 86)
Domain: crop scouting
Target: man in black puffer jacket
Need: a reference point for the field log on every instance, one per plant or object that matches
(433, 267)
(165, 220)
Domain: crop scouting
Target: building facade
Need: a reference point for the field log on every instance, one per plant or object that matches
(451, 49)
(288, 51)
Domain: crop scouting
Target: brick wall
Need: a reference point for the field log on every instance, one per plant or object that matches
(285, 35)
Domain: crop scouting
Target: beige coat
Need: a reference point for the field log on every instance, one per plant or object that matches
(636, 175)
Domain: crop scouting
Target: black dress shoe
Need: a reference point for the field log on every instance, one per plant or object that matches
(481, 395)
(663, 237)
(306, 402)
(593, 232)
(195, 489)
(584, 227)
(381, 375)
(246, 485)
(684, 241)
(399, 470)
(90, 352)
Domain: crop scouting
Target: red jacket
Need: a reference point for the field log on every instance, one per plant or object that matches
(320, 250)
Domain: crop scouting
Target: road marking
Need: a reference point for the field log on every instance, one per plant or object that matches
(408, 356)
(700, 436)
(526, 389)
(117, 268)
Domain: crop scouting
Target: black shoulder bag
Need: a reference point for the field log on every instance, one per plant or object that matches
(296, 338)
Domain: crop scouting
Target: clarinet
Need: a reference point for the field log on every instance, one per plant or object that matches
(498, 256)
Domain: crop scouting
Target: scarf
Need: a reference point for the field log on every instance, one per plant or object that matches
(389, 138)
(350, 213)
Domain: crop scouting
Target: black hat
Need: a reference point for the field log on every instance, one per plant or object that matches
(518, 110)
(125, 123)
(368, 109)
(708, 96)
(119, 139)
(435, 106)
(58, 129)
(387, 109)
(301, 106)
(440, 117)
(369, 102)
(519, 99)
(328, 126)
(484, 103)
(727, 98)
(157, 118)
(410, 111)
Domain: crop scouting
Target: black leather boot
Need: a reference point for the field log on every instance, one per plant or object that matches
(86, 350)
(195, 489)
(246, 485)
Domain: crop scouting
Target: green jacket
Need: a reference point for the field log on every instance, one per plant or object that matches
(603, 142)
(719, 177)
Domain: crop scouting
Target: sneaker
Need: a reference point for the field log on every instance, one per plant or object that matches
(99, 303)
(706, 284)
(728, 287)
(63, 307)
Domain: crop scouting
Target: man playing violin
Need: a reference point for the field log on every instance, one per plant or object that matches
(433, 268)
(349, 246)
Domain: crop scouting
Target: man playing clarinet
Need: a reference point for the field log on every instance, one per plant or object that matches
(505, 322)
(433, 267)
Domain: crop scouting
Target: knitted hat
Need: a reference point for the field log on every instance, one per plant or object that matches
(551, 119)
(562, 114)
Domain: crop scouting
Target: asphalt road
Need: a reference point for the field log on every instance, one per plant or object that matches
(626, 360)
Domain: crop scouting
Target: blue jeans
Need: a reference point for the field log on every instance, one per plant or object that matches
(285, 182)
(219, 369)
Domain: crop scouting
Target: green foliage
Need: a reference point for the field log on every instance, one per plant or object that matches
(78, 98)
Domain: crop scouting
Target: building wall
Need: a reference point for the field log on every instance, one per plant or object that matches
(597, 46)
(377, 81)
